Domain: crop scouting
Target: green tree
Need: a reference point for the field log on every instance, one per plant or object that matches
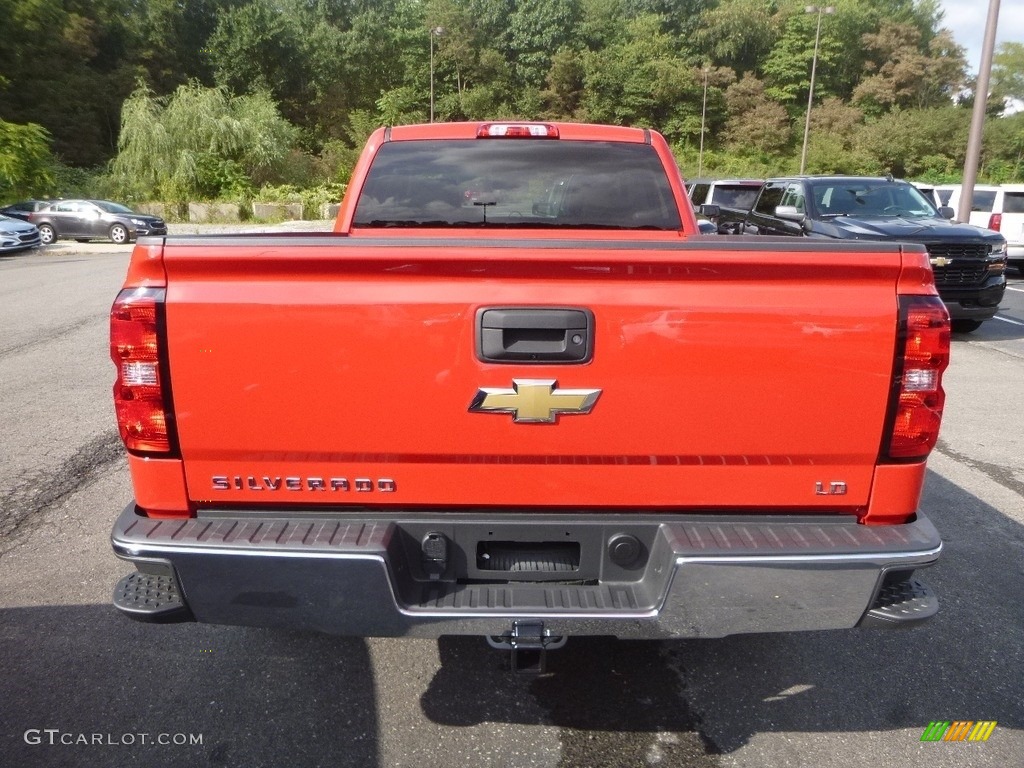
(537, 29)
(738, 33)
(903, 72)
(171, 40)
(260, 47)
(909, 143)
(1008, 72)
(787, 68)
(756, 122)
(641, 80)
(832, 144)
(25, 161)
(66, 70)
(198, 142)
(565, 84)
(1004, 141)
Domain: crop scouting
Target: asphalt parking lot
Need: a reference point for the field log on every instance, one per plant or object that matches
(81, 686)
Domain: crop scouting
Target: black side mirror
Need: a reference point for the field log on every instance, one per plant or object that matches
(946, 212)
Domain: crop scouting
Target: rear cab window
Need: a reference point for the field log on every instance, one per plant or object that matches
(983, 200)
(740, 196)
(559, 184)
(1013, 202)
(699, 193)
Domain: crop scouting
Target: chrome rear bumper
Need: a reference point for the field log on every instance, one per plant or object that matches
(694, 576)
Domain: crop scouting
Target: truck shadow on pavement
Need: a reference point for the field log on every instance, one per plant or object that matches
(111, 688)
(967, 663)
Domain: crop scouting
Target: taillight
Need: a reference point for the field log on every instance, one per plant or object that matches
(915, 410)
(517, 131)
(141, 398)
(995, 221)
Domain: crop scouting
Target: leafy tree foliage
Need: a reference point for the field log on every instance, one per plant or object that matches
(25, 161)
(756, 123)
(172, 39)
(318, 73)
(787, 68)
(640, 80)
(904, 142)
(739, 33)
(903, 75)
(1008, 72)
(199, 142)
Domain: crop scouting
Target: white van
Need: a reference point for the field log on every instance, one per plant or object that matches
(1009, 221)
(982, 206)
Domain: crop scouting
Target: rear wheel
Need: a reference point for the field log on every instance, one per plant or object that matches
(47, 234)
(119, 234)
(966, 326)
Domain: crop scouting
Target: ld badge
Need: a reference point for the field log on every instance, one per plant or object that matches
(537, 401)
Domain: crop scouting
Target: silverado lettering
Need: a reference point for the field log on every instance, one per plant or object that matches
(264, 483)
(765, 408)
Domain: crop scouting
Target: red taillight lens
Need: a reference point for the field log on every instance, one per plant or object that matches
(140, 396)
(916, 410)
(995, 221)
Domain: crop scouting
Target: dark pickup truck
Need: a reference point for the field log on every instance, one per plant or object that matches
(969, 262)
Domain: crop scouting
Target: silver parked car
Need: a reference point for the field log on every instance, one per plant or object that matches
(17, 235)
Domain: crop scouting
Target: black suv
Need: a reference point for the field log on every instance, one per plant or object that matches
(968, 261)
(92, 219)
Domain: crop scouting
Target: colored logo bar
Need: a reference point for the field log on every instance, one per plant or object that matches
(959, 730)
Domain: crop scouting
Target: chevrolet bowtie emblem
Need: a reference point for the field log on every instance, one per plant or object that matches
(941, 261)
(534, 401)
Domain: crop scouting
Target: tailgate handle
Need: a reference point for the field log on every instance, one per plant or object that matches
(534, 335)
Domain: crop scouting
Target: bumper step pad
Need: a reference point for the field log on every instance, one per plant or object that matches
(903, 603)
(152, 598)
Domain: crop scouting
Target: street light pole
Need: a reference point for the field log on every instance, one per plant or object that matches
(703, 113)
(827, 10)
(434, 32)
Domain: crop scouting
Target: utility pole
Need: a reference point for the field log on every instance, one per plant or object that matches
(978, 115)
(829, 10)
(703, 113)
(434, 32)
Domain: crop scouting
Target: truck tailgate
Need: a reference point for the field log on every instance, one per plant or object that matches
(340, 371)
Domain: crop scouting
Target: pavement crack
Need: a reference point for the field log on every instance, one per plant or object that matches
(47, 336)
(36, 491)
(998, 474)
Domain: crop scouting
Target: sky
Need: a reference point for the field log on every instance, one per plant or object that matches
(966, 19)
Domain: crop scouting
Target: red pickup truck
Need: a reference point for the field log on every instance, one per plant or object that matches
(514, 394)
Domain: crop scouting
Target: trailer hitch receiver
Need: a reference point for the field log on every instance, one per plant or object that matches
(527, 643)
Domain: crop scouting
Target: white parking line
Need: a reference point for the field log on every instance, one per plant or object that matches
(1008, 320)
